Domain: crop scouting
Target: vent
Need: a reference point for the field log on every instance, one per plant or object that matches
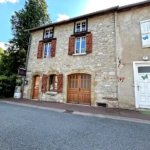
(102, 104)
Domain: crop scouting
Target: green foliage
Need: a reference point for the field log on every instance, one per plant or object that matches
(19, 82)
(33, 14)
(7, 85)
(9, 64)
(1, 52)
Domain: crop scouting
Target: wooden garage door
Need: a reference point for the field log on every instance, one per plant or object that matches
(79, 89)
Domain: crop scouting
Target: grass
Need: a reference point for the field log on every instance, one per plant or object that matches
(144, 112)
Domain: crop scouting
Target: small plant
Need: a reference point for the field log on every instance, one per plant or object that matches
(19, 82)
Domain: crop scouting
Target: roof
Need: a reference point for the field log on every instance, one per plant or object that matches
(100, 12)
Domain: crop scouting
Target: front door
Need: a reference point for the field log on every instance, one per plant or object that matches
(79, 89)
(143, 86)
(36, 87)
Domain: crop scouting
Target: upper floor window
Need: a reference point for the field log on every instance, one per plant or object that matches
(80, 26)
(80, 44)
(47, 50)
(48, 33)
(145, 33)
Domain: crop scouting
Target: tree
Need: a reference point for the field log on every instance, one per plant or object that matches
(33, 14)
(1, 52)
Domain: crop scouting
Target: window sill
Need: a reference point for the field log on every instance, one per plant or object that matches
(79, 54)
(51, 93)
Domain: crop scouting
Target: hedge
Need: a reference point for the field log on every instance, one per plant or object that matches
(7, 86)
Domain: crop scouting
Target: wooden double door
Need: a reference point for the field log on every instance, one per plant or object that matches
(79, 89)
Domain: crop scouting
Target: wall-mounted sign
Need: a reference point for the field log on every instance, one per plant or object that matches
(22, 72)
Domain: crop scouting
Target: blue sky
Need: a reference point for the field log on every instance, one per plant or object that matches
(58, 10)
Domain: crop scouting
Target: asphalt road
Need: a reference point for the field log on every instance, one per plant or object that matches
(24, 128)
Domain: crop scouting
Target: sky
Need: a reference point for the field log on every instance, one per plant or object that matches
(57, 9)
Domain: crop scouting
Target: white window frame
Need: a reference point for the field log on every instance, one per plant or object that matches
(144, 21)
(80, 26)
(47, 53)
(49, 31)
(80, 46)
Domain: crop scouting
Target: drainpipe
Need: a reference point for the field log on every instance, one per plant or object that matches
(29, 45)
(116, 50)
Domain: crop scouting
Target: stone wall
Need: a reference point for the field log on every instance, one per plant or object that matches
(101, 63)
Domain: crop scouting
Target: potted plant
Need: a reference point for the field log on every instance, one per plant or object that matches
(17, 93)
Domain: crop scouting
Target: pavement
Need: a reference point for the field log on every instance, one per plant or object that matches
(113, 113)
(26, 128)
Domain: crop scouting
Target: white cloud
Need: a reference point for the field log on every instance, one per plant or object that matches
(12, 1)
(95, 5)
(3, 46)
(62, 17)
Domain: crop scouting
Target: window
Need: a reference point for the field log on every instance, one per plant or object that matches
(80, 43)
(48, 33)
(52, 83)
(144, 69)
(145, 33)
(47, 50)
(80, 26)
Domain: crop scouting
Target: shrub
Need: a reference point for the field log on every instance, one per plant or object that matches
(7, 86)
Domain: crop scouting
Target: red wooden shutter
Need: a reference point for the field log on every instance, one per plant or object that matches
(71, 45)
(88, 43)
(53, 48)
(44, 83)
(40, 49)
(60, 83)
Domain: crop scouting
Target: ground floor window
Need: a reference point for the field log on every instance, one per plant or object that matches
(52, 84)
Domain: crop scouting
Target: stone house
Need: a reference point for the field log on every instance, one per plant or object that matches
(90, 59)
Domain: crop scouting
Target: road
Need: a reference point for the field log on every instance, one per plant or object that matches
(24, 128)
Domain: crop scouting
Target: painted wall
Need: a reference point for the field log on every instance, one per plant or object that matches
(101, 63)
(129, 49)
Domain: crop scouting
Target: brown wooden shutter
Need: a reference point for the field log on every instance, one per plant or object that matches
(40, 49)
(71, 45)
(53, 48)
(44, 83)
(60, 83)
(88, 43)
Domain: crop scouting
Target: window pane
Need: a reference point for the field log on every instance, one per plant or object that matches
(83, 45)
(85, 84)
(89, 84)
(83, 26)
(45, 50)
(49, 50)
(77, 45)
(81, 83)
(78, 27)
(145, 69)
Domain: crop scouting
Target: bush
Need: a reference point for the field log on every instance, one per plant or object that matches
(7, 86)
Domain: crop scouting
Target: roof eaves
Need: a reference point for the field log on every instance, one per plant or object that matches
(112, 9)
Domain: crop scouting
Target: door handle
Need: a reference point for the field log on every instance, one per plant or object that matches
(79, 89)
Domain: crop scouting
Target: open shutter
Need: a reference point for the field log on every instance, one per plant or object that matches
(40, 49)
(53, 48)
(60, 83)
(145, 33)
(88, 43)
(44, 83)
(71, 45)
